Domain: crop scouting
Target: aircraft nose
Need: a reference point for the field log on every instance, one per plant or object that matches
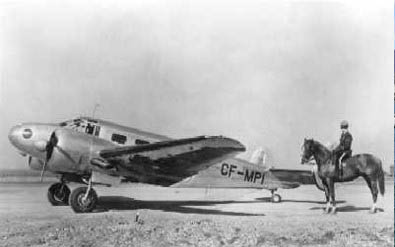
(13, 134)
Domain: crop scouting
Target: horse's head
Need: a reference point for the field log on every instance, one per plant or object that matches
(307, 150)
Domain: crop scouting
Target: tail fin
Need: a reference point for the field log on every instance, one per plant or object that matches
(259, 157)
(381, 181)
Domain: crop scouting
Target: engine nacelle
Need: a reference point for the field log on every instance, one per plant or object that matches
(73, 151)
(101, 163)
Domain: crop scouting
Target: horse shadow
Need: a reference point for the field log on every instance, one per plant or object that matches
(107, 203)
(268, 199)
(349, 208)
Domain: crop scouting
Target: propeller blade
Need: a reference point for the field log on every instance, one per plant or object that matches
(53, 141)
(43, 170)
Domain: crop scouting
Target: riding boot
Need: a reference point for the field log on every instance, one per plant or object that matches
(339, 164)
(341, 169)
(334, 162)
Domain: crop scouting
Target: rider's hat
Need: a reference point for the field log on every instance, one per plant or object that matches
(344, 124)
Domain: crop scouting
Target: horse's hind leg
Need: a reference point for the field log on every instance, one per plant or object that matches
(372, 184)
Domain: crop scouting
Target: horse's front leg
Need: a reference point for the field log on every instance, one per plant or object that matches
(326, 189)
(332, 194)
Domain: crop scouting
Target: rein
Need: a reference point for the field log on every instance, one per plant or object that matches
(319, 148)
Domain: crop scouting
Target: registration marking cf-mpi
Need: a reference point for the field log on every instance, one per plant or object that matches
(249, 175)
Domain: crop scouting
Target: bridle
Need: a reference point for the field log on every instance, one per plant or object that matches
(311, 158)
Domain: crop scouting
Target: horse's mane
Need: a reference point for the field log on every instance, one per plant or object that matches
(320, 146)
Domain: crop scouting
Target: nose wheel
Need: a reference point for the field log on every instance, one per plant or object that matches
(58, 194)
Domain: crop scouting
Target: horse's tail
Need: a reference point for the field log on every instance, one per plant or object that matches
(381, 180)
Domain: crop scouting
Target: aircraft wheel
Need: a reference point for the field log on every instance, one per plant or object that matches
(58, 194)
(81, 203)
(276, 198)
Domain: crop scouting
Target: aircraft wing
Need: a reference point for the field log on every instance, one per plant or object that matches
(168, 162)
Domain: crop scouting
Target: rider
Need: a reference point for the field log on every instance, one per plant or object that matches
(343, 150)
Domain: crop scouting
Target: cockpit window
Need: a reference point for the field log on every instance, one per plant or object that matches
(75, 123)
(82, 125)
(27, 133)
(91, 120)
(89, 129)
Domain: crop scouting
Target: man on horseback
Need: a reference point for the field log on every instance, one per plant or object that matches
(364, 165)
(343, 150)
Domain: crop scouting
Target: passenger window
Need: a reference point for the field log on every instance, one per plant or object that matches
(140, 142)
(121, 139)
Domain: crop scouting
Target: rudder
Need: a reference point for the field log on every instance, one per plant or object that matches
(259, 157)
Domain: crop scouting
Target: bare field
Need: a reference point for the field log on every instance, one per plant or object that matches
(197, 217)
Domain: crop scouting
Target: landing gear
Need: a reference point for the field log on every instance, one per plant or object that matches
(58, 194)
(276, 198)
(83, 199)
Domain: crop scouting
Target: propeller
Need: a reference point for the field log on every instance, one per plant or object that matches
(51, 144)
(49, 148)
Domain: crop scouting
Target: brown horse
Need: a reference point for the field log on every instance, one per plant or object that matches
(364, 165)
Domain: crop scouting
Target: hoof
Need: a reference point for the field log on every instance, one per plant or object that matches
(334, 212)
(372, 211)
(326, 211)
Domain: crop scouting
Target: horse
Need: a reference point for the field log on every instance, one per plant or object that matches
(361, 165)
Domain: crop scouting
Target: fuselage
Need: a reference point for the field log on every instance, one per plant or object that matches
(31, 139)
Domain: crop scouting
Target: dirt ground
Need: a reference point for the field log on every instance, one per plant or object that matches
(197, 217)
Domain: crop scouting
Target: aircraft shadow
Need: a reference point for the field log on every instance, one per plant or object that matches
(348, 208)
(107, 203)
(268, 199)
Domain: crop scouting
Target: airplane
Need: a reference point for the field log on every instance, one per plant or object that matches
(92, 151)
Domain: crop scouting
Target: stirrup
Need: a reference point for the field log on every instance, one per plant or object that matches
(341, 158)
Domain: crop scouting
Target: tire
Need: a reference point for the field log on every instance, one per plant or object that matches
(77, 202)
(276, 198)
(58, 194)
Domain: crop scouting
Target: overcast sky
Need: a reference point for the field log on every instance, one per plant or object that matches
(267, 73)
